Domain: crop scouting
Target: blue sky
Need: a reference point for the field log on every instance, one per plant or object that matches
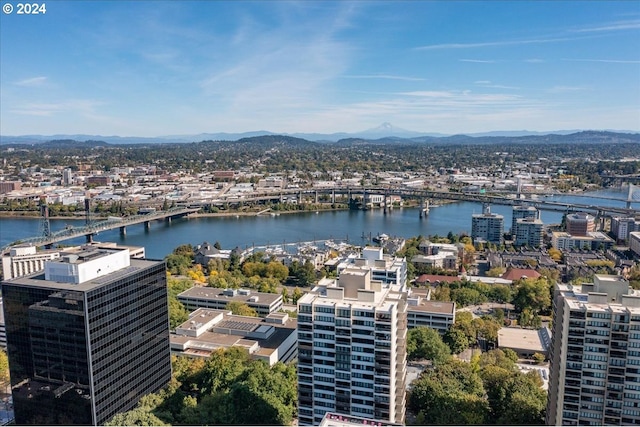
(150, 68)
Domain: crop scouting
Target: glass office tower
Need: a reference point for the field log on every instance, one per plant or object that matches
(87, 337)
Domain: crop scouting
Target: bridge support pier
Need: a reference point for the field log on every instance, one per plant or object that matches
(168, 220)
(421, 207)
(123, 231)
(333, 196)
(89, 238)
(384, 206)
(316, 197)
(147, 225)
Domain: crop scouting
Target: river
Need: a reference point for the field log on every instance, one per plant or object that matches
(248, 231)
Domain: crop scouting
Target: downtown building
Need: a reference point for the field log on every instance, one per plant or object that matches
(595, 354)
(352, 349)
(87, 337)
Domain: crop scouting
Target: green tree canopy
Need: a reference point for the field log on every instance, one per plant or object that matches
(241, 309)
(426, 343)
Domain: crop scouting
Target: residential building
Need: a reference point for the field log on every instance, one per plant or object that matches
(594, 240)
(522, 212)
(487, 227)
(580, 223)
(218, 298)
(352, 349)
(385, 268)
(528, 232)
(621, 227)
(337, 420)
(595, 354)
(634, 242)
(87, 337)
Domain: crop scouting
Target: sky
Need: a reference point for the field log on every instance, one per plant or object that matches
(156, 68)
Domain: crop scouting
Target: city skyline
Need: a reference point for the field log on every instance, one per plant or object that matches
(152, 68)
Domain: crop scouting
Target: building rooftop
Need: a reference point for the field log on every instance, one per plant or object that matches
(38, 280)
(208, 330)
(525, 339)
(240, 295)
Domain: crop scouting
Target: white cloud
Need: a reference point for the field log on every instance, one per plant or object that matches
(613, 26)
(565, 89)
(45, 109)
(482, 61)
(32, 82)
(385, 76)
(495, 43)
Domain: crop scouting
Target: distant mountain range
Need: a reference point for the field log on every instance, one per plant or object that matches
(385, 132)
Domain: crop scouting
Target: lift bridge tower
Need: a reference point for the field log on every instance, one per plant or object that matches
(633, 196)
(45, 225)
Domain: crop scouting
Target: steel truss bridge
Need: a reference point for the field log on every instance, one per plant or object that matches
(89, 230)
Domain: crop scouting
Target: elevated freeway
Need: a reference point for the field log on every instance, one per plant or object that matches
(333, 194)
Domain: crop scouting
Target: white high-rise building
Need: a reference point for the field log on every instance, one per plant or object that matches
(528, 231)
(352, 349)
(595, 354)
(487, 227)
(520, 212)
(621, 227)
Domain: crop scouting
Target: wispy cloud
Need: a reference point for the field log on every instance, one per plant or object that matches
(613, 26)
(44, 109)
(32, 82)
(612, 61)
(534, 60)
(481, 61)
(385, 76)
(489, 84)
(565, 89)
(495, 43)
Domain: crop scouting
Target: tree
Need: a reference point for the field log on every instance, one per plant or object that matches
(135, 417)
(500, 293)
(539, 358)
(450, 394)
(241, 309)
(457, 340)
(496, 271)
(303, 275)
(297, 294)
(4, 367)
(426, 343)
(533, 294)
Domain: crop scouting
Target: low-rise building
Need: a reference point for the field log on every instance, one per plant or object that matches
(272, 339)
(421, 311)
(593, 240)
(218, 298)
